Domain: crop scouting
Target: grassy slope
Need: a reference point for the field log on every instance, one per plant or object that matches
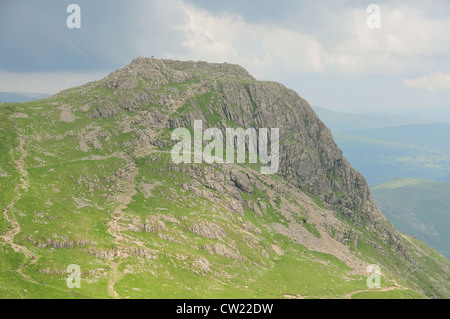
(417, 207)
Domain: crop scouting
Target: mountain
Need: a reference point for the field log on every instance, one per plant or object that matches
(88, 180)
(418, 207)
(20, 97)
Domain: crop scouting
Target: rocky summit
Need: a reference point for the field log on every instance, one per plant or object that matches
(87, 180)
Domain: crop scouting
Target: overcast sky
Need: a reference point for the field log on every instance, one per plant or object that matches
(322, 49)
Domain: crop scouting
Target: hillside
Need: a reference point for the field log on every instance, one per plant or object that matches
(418, 207)
(87, 179)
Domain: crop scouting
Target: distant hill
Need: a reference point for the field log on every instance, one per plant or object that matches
(21, 97)
(419, 208)
(428, 136)
(341, 122)
(385, 147)
(380, 161)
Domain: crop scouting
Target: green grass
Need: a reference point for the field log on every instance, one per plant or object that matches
(419, 208)
(312, 229)
(13, 285)
(296, 273)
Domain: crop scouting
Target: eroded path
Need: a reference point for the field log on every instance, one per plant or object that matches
(19, 190)
(350, 294)
(123, 198)
(346, 296)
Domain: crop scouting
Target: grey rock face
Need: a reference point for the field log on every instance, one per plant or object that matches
(242, 182)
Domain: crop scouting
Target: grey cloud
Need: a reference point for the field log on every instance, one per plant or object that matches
(35, 37)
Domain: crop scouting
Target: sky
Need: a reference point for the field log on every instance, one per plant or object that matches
(324, 50)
